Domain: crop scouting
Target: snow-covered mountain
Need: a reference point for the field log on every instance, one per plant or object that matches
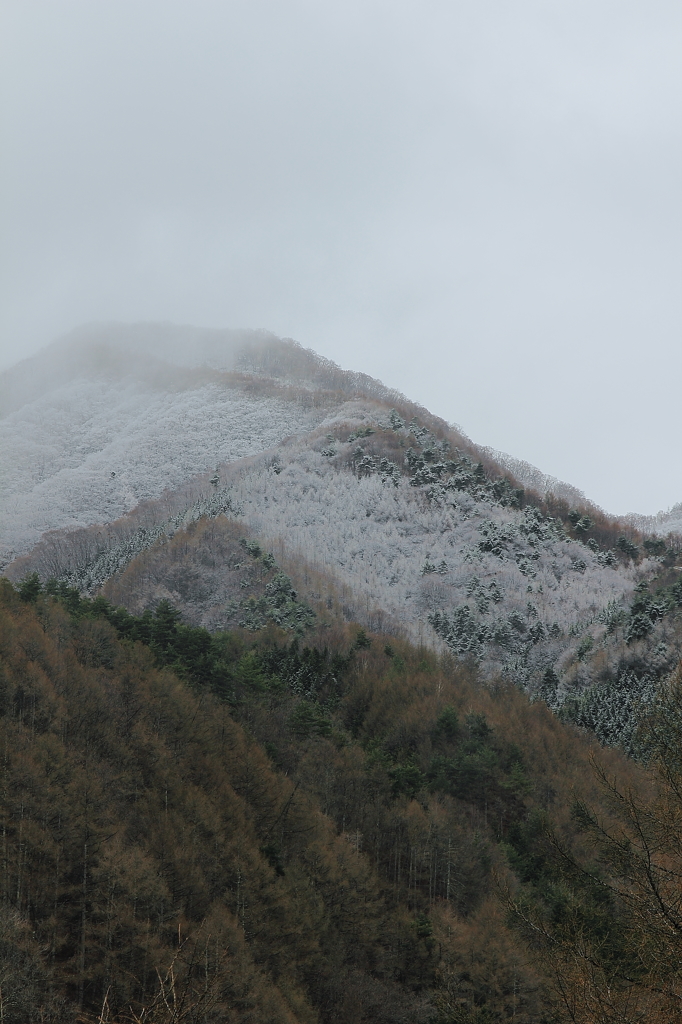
(100, 422)
(117, 439)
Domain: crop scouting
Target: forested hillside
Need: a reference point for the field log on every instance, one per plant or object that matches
(370, 503)
(311, 710)
(273, 830)
(403, 530)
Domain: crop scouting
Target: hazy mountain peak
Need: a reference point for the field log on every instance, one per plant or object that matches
(102, 349)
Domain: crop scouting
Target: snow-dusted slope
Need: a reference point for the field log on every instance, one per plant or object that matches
(414, 525)
(414, 532)
(535, 480)
(87, 445)
(411, 534)
(410, 555)
(412, 550)
(661, 524)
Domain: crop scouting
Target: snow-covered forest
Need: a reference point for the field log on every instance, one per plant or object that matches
(415, 529)
(97, 445)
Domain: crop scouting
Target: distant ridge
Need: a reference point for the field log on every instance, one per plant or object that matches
(662, 523)
(111, 415)
(542, 483)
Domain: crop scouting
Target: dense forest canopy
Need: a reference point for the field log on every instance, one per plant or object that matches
(272, 829)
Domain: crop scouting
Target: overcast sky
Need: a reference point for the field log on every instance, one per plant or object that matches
(477, 202)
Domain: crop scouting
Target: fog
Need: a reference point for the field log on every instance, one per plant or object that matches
(477, 202)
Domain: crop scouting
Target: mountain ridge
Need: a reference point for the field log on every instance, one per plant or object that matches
(434, 537)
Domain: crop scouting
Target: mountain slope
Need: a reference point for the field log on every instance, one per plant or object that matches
(122, 431)
(414, 528)
(301, 834)
(661, 524)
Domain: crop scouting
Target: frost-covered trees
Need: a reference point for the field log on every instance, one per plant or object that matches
(446, 559)
(92, 449)
(93, 573)
(403, 516)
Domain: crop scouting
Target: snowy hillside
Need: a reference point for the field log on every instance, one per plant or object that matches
(89, 448)
(127, 442)
(388, 525)
(417, 536)
(113, 415)
(661, 524)
(432, 551)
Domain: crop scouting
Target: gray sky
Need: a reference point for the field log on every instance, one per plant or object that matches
(477, 202)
